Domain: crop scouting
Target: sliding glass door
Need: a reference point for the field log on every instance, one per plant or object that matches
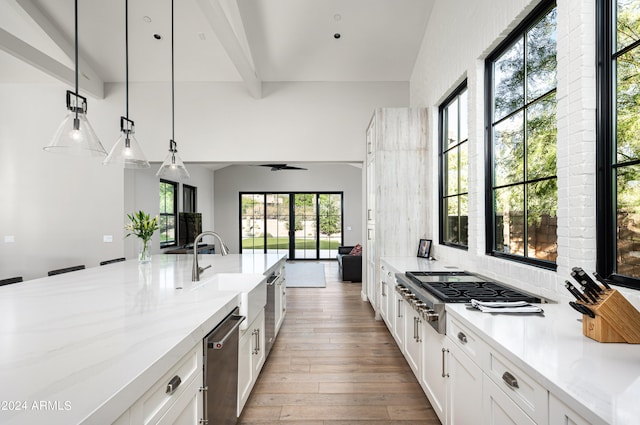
(302, 225)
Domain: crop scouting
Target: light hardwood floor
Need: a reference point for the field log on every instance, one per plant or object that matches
(334, 364)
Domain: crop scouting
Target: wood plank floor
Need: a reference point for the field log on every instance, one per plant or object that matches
(334, 364)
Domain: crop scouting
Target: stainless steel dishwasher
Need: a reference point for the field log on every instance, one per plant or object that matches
(221, 372)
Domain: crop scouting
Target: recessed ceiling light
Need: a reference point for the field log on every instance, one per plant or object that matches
(146, 19)
(337, 17)
(157, 36)
(337, 35)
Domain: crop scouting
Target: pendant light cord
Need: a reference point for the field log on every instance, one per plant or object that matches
(76, 59)
(126, 50)
(173, 121)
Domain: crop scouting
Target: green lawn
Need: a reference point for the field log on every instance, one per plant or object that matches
(283, 243)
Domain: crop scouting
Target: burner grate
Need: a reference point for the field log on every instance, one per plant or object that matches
(461, 287)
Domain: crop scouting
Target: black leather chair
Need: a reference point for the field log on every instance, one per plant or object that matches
(11, 280)
(65, 270)
(350, 266)
(115, 260)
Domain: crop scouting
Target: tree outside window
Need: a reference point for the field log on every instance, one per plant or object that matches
(522, 186)
(619, 140)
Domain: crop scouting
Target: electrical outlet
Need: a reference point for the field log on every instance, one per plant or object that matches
(9, 239)
(107, 238)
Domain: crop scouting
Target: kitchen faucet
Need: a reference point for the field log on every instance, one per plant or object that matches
(195, 273)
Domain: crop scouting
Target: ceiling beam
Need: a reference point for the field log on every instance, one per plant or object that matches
(219, 22)
(45, 63)
(67, 47)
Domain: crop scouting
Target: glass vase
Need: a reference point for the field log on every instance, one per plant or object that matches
(144, 252)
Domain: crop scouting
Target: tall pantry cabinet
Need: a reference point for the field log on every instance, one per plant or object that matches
(397, 184)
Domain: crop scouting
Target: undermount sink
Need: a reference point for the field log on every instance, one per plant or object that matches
(252, 288)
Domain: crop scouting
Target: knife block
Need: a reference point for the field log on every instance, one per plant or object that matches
(616, 320)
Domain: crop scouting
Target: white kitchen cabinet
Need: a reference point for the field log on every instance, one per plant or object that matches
(397, 189)
(280, 302)
(187, 410)
(464, 387)
(561, 414)
(499, 408)
(412, 338)
(398, 318)
(387, 283)
(251, 357)
(432, 376)
(184, 404)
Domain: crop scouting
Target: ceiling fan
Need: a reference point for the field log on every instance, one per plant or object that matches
(278, 167)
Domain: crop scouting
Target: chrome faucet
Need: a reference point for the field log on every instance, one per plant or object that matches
(195, 273)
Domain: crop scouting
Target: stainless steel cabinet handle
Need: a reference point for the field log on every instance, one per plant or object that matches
(382, 287)
(444, 375)
(173, 385)
(255, 344)
(414, 328)
(462, 337)
(258, 341)
(418, 321)
(510, 380)
(399, 308)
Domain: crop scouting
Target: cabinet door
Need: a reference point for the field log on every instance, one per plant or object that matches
(412, 340)
(245, 368)
(258, 348)
(464, 387)
(187, 410)
(384, 294)
(279, 300)
(561, 414)
(398, 320)
(432, 374)
(499, 409)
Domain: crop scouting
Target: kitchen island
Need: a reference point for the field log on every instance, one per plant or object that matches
(81, 347)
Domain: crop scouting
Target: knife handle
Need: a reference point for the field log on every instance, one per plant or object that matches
(601, 280)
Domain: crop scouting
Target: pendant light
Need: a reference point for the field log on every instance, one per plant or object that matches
(75, 135)
(173, 167)
(126, 151)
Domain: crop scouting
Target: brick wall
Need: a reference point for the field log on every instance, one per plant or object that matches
(456, 42)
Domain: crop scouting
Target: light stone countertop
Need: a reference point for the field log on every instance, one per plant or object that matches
(90, 342)
(600, 381)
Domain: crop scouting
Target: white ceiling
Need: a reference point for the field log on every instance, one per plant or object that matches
(259, 40)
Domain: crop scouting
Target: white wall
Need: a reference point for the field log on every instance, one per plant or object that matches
(58, 208)
(230, 181)
(455, 45)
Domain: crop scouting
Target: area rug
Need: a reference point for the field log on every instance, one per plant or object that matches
(305, 275)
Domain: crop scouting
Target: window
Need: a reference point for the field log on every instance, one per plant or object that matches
(454, 161)
(303, 225)
(618, 158)
(168, 213)
(189, 198)
(522, 198)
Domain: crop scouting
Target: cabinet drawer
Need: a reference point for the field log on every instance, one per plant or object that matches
(156, 401)
(528, 394)
(467, 341)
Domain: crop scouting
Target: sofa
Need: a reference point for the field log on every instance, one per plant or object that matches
(350, 266)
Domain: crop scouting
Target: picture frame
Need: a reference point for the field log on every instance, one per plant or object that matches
(424, 248)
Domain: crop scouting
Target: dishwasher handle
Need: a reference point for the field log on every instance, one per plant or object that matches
(218, 344)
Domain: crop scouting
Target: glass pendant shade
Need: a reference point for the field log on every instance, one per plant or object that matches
(173, 167)
(126, 151)
(75, 136)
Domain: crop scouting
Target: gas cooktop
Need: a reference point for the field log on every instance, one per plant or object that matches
(462, 287)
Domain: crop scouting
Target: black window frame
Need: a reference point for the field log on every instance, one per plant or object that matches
(518, 33)
(606, 202)
(174, 215)
(442, 170)
(193, 206)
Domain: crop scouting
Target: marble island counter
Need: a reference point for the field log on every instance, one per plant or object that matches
(81, 347)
